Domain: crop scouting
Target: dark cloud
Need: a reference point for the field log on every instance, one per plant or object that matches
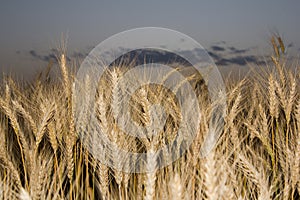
(220, 53)
(238, 51)
(79, 55)
(46, 58)
(200, 52)
(217, 48)
(290, 45)
(34, 54)
(49, 57)
(229, 55)
(240, 60)
(235, 56)
(141, 56)
(214, 55)
(55, 51)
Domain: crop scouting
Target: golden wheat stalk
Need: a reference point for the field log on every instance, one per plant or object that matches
(151, 174)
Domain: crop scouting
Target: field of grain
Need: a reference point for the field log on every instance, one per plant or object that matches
(256, 157)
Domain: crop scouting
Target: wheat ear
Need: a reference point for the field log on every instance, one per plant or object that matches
(273, 106)
(176, 187)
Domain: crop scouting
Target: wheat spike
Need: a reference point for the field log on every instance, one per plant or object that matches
(69, 155)
(273, 98)
(22, 141)
(176, 187)
(104, 179)
(24, 195)
(281, 44)
(9, 165)
(291, 99)
(48, 113)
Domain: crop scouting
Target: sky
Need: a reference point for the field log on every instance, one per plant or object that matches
(234, 32)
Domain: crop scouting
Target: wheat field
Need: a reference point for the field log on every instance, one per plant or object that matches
(256, 157)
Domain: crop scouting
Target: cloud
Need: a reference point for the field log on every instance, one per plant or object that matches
(49, 57)
(290, 45)
(219, 57)
(52, 56)
(214, 55)
(34, 54)
(217, 48)
(240, 60)
(79, 55)
(222, 55)
(46, 58)
(238, 51)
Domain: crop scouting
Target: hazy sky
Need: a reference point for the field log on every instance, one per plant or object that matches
(30, 29)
